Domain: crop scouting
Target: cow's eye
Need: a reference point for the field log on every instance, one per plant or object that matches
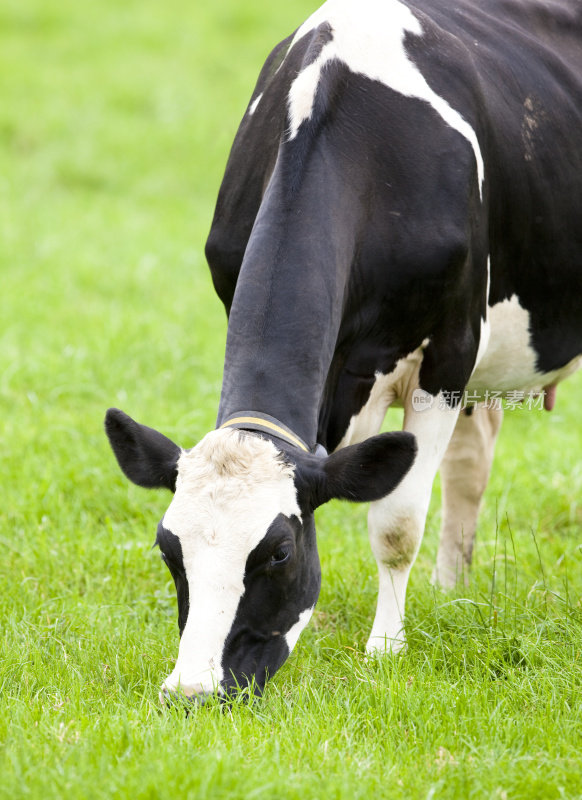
(280, 555)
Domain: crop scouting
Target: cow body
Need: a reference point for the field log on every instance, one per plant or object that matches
(399, 222)
(390, 214)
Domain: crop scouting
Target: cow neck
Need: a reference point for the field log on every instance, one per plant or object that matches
(280, 343)
(277, 364)
(288, 302)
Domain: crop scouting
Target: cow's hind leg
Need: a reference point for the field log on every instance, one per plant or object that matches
(464, 475)
(396, 523)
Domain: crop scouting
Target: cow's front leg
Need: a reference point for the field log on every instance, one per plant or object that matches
(396, 523)
(465, 472)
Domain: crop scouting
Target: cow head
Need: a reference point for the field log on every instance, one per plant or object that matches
(239, 539)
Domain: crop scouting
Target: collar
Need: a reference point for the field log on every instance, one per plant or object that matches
(263, 423)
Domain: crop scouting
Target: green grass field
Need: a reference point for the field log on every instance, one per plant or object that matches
(115, 125)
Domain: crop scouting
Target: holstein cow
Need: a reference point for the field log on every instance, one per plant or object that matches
(400, 221)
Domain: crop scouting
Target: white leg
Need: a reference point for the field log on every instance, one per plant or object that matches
(464, 475)
(396, 523)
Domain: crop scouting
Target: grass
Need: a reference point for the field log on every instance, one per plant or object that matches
(115, 125)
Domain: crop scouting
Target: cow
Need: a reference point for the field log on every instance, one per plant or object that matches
(399, 223)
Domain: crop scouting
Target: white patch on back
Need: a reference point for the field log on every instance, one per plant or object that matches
(292, 636)
(230, 488)
(368, 36)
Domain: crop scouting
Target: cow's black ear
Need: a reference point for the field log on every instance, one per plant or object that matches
(146, 456)
(361, 472)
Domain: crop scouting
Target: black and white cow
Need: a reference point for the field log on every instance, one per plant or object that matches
(400, 221)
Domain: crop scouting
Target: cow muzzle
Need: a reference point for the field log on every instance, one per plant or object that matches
(188, 697)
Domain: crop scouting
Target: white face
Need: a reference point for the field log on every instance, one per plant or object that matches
(230, 489)
(239, 539)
